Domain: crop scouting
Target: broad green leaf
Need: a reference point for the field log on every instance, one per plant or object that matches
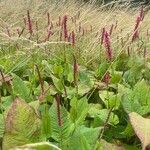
(138, 99)
(141, 127)
(58, 84)
(83, 137)
(79, 110)
(22, 125)
(20, 89)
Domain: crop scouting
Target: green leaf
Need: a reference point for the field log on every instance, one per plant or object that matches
(116, 77)
(79, 110)
(6, 101)
(83, 137)
(22, 125)
(100, 119)
(138, 99)
(20, 89)
(46, 121)
(94, 110)
(103, 67)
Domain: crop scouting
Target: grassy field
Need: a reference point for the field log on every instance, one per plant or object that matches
(74, 76)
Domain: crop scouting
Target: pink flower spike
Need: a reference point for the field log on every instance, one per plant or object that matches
(136, 32)
(65, 18)
(107, 46)
(107, 78)
(73, 39)
(142, 13)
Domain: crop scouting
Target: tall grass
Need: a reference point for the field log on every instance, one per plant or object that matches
(37, 24)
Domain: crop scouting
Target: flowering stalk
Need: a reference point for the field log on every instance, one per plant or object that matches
(59, 21)
(136, 32)
(57, 97)
(73, 39)
(29, 23)
(48, 19)
(138, 21)
(108, 46)
(142, 13)
(111, 29)
(103, 34)
(64, 26)
(75, 69)
(107, 78)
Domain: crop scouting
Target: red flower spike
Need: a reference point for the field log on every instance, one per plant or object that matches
(29, 23)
